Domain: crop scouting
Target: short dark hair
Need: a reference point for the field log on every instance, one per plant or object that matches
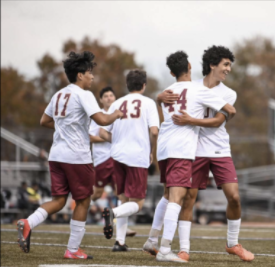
(213, 56)
(135, 80)
(105, 90)
(178, 63)
(76, 63)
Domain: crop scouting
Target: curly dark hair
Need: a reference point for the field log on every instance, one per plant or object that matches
(178, 63)
(213, 56)
(105, 90)
(76, 63)
(135, 80)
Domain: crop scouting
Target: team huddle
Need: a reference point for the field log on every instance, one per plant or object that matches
(191, 141)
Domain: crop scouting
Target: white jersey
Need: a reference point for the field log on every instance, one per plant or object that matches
(181, 141)
(214, 142)
(130, 135)
(71, 109)
(101, 151)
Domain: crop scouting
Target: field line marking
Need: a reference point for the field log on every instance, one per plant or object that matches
(192, 237)
(134, 249)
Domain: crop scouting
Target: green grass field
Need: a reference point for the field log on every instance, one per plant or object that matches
(207, 243)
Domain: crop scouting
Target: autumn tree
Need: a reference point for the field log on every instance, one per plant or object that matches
(252, 77)
(21, 104)
(112, 66)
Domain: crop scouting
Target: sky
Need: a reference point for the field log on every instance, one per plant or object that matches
(150, 29)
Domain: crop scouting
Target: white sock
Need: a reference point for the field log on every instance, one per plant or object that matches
(76, 236)
(158, 219)
(126, 209)
(170, 225)
(233, 232)
(184, 230)
(39, 216)
(121, 228)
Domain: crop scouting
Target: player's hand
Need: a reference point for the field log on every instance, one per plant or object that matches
(168, 97)
(151, 158)
(183, 119)
(118, 113)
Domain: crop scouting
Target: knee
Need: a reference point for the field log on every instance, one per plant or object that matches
(188, 202)
(61, 202)
(97, 194)
(234, 200)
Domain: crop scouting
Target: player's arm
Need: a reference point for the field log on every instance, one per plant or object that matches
(186, 119)
(153, 140)
(167, 97)
(47, 121)
(96, 139)
(106, 119)
(230, 110)
(105, 135)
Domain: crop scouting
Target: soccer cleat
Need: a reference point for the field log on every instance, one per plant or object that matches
(119, 248)
(77, 255)
(184, 255)
(130, 232)
(151, 247)
(242, 253)
(169, 257)
(108, 216)
(24, 235)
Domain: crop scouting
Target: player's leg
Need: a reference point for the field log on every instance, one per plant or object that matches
(98, 191)
(185, 222)
(200, 172)
(178, 173)
(60, 190)
(81, 179)
(225, 176)
(151, 245)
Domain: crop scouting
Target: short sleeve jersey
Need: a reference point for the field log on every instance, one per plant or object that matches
(214, 142)
(101, 151)
(181, 141)
(71, 109)
(130, 135)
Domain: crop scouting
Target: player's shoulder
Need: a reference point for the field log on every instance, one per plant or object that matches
(228, 91)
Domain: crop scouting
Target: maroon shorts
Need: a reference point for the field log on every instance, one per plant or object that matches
(104, 174)
(132, 181)
(223, 170)
(75, 178)
(176, 172)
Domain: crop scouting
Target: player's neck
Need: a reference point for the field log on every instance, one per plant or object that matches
(210, 82)
(137, 92)
(79, 84)
(184, 78)
(106, 108)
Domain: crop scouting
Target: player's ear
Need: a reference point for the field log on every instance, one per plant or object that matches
(189, 66)
(172, 74)
(79, 76)
(100, 100)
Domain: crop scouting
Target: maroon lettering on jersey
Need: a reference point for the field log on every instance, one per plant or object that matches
(63, 113)
(137, 108)
(182, 100)
(56, 104)
(123, 109)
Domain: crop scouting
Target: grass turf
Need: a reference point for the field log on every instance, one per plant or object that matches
(11, 255)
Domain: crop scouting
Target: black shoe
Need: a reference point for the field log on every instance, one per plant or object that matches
(108, 216)
(119, 248)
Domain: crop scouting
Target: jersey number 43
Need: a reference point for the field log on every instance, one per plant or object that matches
(124, 109)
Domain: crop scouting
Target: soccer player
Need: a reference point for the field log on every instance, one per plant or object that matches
(133, 140)
(102, 160)
(214, 154)
(177, 145)
(69, 113)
